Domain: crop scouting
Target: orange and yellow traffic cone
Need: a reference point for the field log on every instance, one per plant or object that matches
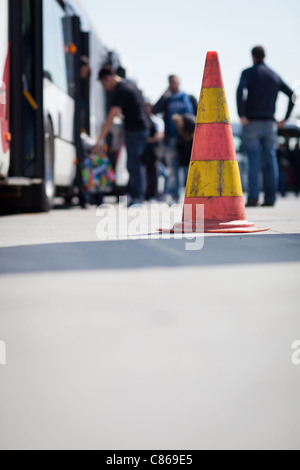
(214, 177)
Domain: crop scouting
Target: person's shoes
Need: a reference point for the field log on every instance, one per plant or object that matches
(135, 202)
(268, 204)
(252, 203)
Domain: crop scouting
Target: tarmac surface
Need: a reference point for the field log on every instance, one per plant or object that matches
(149, 343)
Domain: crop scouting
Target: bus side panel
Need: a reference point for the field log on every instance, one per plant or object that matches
(60, 107)
(59, 89)
(4, 89)
(64, 168)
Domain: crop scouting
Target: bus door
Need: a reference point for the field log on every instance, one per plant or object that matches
(72, 33)
(26, 89)
(84, 105)
(71, 52)
(80, 85)
(77, 46)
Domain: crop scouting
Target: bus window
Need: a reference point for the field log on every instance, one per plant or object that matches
(55, 45)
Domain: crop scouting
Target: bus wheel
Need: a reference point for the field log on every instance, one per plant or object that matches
(45, 193)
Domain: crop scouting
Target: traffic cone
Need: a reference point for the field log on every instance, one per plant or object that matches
(214, 177)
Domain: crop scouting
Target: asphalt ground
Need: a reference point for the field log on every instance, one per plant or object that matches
(149, 342)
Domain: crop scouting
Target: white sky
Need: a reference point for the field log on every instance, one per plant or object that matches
(160, 37)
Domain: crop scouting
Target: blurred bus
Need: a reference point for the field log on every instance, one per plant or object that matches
(44, 105)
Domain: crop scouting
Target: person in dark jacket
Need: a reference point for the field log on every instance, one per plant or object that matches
(174, 101)
(256, 100)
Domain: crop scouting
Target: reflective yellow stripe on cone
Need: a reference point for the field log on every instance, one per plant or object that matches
(214, 179)
(213, 106)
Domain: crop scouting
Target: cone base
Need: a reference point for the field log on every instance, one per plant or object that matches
(240, 226)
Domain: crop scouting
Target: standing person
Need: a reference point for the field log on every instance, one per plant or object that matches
(128, 100)
(185, 126)
(174, 101)
(151, 154)
(256, 100)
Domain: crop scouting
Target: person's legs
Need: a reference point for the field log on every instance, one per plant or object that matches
(99, 198)
(149, 161)
(297, 171)
(84, 198)
(172, 159)
(152, 180)
(252, 146)
(136, 144)
(185, 174)
(271, 172)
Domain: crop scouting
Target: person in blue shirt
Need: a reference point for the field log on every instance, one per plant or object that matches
(256, 101)
(174, 102)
